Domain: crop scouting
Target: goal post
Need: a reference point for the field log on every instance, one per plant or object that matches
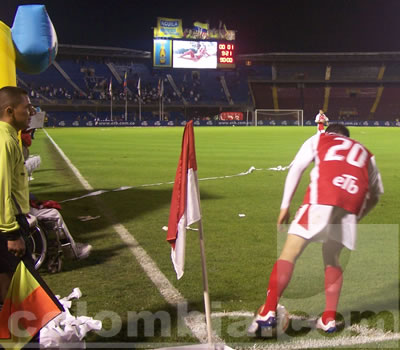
(278, 117)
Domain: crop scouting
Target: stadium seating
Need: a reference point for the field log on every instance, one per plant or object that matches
(354, 72)
(313, 101)
(389, 105)
(351, 103)
(84, 81)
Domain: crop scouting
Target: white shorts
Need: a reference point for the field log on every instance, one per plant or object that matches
(325, 222)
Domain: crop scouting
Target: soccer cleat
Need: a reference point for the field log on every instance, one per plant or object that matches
(327, 328)
(261, 323)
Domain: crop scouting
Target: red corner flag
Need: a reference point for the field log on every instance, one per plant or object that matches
(185, 202)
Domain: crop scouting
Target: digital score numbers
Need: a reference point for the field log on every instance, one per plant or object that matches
(226, 55)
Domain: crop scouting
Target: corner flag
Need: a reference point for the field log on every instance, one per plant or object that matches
(185, 202)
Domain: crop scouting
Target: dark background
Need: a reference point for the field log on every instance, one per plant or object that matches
(265, 26)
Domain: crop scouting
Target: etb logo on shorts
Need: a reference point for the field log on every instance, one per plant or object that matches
(346, 182)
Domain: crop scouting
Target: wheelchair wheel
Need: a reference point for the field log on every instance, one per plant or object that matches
(38, 244)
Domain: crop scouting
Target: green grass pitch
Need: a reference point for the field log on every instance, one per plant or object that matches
(240, 250)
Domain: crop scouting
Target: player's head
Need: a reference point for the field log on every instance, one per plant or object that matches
(321, 111)
(338, 129)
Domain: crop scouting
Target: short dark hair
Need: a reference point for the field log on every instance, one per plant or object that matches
(10, 96)
(338, 129)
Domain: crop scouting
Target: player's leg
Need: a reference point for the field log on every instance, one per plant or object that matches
(282, 271)
(333, 284)
(278, 281)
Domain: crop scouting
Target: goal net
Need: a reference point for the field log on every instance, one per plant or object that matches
(278, 117)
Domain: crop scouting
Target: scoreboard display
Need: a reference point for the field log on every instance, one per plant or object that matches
(226, 55)
(208, 54)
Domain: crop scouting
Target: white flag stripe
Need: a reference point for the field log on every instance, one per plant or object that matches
(190, 216)
(178, 254)
(193, 198)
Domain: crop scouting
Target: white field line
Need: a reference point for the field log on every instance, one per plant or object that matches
(171, 295)
(365, 335)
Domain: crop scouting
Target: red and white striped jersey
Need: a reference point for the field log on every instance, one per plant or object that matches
(344, 173)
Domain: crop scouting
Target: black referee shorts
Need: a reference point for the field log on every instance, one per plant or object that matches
(8, 261)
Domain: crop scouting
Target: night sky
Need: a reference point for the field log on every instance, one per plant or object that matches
(265, 26)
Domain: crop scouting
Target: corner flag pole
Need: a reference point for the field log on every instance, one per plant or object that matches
(140, 100)
(206, 294)
(111, 98)
(126, 107)
(111, 113)
(126, 95)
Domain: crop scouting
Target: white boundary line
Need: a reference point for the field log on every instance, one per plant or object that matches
(196, 323)
(171, 295)
(365, 335)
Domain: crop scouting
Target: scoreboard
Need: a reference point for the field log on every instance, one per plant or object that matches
(226, 55)
(208, 54)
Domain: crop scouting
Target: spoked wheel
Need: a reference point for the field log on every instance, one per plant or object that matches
(38, 245)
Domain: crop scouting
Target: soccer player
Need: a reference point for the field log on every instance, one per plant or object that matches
(322, 120)
(345, 184)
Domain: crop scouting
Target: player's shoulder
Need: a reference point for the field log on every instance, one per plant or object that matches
(312, 141)
(333, 137)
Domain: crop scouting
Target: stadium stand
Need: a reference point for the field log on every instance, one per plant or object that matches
(352, 103)
(355, 72)
(389, 105)
(351, 88)
(313, 101)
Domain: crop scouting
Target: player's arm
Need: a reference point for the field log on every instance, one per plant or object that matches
(375, 188)
(300, 163)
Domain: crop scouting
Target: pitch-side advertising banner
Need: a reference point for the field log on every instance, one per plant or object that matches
(105, 123)
(231, 116)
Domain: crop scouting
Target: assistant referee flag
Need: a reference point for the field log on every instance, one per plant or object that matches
(185, 202)
(29, 305)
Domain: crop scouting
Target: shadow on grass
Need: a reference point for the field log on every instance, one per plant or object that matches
(161, 326)
(96, 258)
(117, 207)
(37, 186)
(49, 170)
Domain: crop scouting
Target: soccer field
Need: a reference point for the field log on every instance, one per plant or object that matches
(135, 167)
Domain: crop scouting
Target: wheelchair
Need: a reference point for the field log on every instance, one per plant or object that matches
(49, 244)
